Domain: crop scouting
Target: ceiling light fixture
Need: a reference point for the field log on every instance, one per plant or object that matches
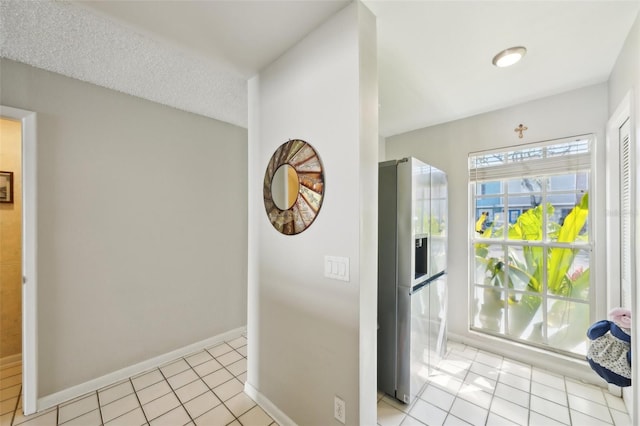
(509, 56)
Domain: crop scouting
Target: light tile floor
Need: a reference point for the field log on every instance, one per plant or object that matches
(468, 387)
(205, 388)
(472, 387)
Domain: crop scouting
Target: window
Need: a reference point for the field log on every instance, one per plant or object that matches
(531, 246)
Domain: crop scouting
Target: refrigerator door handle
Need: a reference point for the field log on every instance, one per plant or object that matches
(426, 282)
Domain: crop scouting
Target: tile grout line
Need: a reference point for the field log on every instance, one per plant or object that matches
(566, 395)
(589, 400)
(466, 374)
(458, 391)
(495, 388)
(610, 410)
(210, 388)
(428, 383)
(78, 399)
(205, 383)
(242, 391)
(135, 392)
(174, 390)
(530, 394)
(15, 409)
(234, 377)
(115, 400)
(222, 367)
(531, 380)
(99, 407)
(473, 360)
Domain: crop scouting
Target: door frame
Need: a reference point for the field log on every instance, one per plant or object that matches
(29, 253)
(622, 113)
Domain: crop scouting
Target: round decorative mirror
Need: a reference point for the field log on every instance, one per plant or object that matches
(293, 187)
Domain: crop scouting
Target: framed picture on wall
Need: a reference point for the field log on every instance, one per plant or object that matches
(6, 187)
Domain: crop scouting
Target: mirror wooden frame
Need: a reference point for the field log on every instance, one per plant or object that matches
(305, 160)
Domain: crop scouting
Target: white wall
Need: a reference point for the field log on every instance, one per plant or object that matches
(625, 78)
(141, 226)
(625, 75)
(311, 337)
(447, 147)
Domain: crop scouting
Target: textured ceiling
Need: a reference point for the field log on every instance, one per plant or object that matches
(241, 36)
(72, 41)
(434, 56)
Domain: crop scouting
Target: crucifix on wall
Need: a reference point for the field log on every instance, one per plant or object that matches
(521, 128)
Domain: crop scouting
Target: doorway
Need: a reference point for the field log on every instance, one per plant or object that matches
(10, 242)
(24, 179)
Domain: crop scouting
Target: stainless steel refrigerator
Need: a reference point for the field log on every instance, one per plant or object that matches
(412, 280)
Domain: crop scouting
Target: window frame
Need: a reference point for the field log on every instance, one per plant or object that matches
(589, 167)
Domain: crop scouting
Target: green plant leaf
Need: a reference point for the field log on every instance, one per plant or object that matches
(560, 259)
(528, 268)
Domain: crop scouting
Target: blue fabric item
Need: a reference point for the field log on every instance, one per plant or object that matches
(610, 376)
(620, 333)
(609, 353)
(598, 329)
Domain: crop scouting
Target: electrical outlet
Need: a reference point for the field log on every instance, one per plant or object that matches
(339, 409)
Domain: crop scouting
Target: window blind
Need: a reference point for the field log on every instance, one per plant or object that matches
(531, 160)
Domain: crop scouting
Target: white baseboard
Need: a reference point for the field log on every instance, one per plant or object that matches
(268, 406)
(133, 370)
(11, 359)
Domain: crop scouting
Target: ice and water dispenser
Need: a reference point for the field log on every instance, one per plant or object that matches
(421, 257)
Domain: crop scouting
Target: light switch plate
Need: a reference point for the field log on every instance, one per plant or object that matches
(336, 267)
